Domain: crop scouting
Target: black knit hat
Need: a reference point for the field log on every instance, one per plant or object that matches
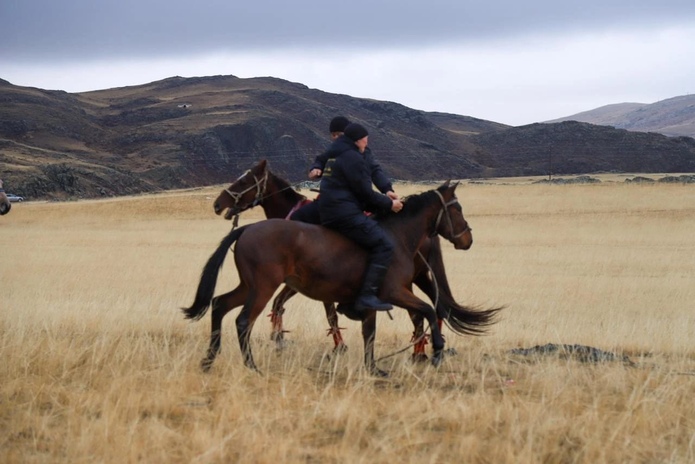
(355, 132)
(338, 124)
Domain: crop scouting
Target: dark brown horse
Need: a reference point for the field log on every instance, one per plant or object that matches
(260, 187)
(325, 266)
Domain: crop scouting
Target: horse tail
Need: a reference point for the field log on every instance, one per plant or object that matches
(208, 278)
(461, 319)
(466, 320)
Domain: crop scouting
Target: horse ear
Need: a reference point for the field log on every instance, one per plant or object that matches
(445, 184)
(262, 164)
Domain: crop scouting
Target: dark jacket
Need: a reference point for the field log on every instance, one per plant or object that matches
(378, 177)
(331, 152)
(346, 185)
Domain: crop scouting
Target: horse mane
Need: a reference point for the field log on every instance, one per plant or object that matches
(285, 188)
(412, 205)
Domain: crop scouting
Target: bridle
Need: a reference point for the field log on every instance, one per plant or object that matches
(445, 206)
(260, 185)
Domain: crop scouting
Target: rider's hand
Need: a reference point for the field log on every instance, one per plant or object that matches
(392, 195)
(396, 205)
(314, 173)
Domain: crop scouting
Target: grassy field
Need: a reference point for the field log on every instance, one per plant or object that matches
(98, 364)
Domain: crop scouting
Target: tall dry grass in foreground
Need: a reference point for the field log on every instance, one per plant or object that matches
(98, 364)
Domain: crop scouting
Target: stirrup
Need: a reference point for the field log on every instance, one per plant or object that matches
(372, 302)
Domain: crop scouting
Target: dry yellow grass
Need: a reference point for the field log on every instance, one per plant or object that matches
(98, 364)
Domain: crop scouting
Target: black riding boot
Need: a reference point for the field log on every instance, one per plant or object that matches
(367, 298)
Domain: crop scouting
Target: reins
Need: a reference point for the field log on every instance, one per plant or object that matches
(402, 350)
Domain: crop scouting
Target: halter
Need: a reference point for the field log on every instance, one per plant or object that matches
(445, 205)
(259, 185)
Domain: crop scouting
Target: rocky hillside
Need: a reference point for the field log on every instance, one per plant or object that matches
(573, 148)
(673, 117)
(185, 132)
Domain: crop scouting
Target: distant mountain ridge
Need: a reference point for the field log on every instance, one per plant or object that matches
(188, 132)
(673, 117)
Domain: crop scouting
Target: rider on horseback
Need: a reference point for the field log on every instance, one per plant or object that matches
(310, 211)
(336, 128)
(346, 192)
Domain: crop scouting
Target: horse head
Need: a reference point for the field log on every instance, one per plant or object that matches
(246, 192)
(450, 222)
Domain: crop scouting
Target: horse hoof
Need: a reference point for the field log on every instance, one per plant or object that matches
(340, 349)
(378, 373)
(451, 352)
(418, 358)
(281, 345)
(437, 358)
(206, 364)
(251, 364)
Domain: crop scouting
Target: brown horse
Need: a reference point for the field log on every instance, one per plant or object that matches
(5, 204)
(325, 266)
(260, 187)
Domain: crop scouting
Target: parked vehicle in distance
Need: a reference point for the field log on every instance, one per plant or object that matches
(13, 198)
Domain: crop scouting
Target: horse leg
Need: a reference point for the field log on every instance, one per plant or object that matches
(419, 337)
(332, 317)
(221, 305)
(429, 288)
(437, 337)
(253, 307)
(278, 332)
(368, 335)
(406, 299)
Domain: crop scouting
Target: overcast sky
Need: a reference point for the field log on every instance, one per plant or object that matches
(509, 61)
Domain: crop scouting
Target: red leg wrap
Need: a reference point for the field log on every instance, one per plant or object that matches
(419, 347)
(337, 336)
(276, 321)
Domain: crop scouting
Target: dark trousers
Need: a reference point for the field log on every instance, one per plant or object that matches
(367, 233)
(308, 213)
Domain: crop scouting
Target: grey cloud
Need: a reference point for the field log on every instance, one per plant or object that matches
(81, 29)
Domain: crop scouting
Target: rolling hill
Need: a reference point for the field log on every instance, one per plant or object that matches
(672, 117)
(187, 132)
